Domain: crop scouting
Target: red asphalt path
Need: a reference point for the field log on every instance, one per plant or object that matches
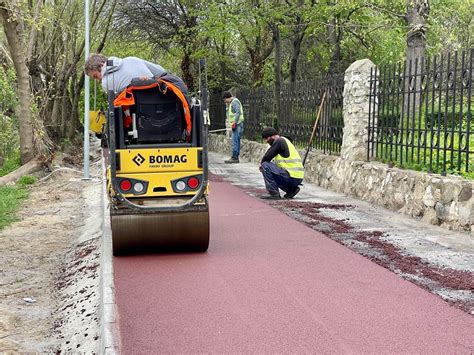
(269, 284)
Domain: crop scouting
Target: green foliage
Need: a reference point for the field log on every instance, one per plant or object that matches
(9, 138)
(11, 163)
(9, 135)
(10, 201)
(419, 159)
(233, 34)
(387, 118)
(27, 180)
(8, 97)
(449, 119)
(450, 26)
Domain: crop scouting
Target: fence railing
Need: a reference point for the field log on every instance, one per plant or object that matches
(295, 113)
(420, 114)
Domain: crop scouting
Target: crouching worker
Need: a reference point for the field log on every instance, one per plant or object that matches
(286, 173)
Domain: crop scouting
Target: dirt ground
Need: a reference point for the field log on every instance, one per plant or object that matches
(49, 265)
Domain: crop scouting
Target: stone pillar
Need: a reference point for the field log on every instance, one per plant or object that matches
(356, 110)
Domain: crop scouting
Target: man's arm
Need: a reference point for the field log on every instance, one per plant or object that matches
(278, 147)
(236, 108)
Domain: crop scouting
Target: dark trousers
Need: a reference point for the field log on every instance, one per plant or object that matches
(277, 178)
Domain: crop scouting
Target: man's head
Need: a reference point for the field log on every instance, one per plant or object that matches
(94, 64)
(269, 134)
(227, 97)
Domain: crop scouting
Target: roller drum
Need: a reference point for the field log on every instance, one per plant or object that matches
(160, 232)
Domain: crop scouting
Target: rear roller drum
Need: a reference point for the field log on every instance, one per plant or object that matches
(160, 232)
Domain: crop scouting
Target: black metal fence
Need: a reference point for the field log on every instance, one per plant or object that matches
(294, 114)
(216, 111)
(420, 114)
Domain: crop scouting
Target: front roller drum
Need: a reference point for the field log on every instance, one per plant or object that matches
(160, 232)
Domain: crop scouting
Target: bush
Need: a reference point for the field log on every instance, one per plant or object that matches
(10, 201)
(9, 136)
(11, 163)
(387, 119)
(27, 180)
(449, 119)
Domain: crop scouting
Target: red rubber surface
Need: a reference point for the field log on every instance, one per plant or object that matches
(269, 284)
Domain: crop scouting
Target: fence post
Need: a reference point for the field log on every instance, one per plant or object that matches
(356, 110)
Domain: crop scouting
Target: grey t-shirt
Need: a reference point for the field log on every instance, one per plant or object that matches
(118, 76)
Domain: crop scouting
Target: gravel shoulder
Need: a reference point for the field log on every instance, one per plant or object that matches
(50, 263)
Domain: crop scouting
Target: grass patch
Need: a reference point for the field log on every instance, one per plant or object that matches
(27, 180)
(10, 201)
(11, 198)
(11, 163)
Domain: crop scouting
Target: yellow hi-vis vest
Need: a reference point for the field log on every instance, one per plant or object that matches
(232, 114)
(293, 163)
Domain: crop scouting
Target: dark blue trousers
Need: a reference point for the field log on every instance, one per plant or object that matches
(278, 178)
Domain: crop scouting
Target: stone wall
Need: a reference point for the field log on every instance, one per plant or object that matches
(445, 201)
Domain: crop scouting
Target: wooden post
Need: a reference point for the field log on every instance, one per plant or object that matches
(314, 128)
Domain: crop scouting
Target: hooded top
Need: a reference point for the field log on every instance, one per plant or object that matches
(120, 74)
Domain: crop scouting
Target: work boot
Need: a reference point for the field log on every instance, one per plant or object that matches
(232, 160)
(271, 197)
(292, 194)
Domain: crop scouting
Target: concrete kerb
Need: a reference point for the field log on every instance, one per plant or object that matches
(109, 328)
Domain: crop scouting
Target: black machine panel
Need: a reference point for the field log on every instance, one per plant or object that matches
(160, 117)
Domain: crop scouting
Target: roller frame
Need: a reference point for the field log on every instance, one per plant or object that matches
(144, 221)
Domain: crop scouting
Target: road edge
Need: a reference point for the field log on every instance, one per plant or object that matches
(109, 327)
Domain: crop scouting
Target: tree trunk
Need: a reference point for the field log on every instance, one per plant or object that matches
(335, 40)
(74, 123)
(53, 119)
(28, 168)
(295, 55)
(66, 113)
(277, 41)
(298, 36)
(416, 19)
(259, 52)
(186, 69)
(14, 38)
(256, 66)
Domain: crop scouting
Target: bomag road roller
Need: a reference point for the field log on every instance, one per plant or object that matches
(157, 171)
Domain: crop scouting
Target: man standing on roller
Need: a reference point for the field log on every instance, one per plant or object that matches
(286, 172)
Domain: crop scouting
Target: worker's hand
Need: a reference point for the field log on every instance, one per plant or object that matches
(260, 168)
(234, 126)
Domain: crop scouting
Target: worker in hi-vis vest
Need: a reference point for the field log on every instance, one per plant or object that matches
(286, 172)
(235, 120)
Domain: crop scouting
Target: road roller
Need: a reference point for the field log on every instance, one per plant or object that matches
(157, 171)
